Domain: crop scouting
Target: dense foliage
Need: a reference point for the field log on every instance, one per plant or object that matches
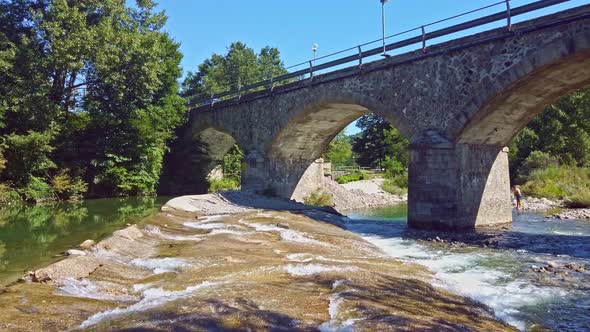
(232, 172)
(88, 97)
(239, 67)
(339, 151)
(380, 145)
(562, 131)
(356, 175)
(551, 156)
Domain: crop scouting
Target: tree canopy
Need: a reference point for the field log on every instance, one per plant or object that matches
(379, 141)
(339, 151)
(90, 87)
(239, 67)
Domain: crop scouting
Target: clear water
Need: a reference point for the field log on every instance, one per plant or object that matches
(33, 236)
(500, 277)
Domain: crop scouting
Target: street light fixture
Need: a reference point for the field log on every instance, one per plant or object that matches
(314, 48)
(383, 2)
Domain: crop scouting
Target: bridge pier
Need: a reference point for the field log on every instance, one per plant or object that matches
(458, 186)
(272, 176)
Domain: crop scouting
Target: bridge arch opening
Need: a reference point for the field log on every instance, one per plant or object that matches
(297, 149)
(204, 159)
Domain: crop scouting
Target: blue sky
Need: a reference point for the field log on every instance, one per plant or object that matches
(204, 27)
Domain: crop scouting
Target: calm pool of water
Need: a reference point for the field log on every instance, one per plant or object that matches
(33, 236)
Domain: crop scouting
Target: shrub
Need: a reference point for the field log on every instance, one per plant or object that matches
(27, 156)
(8, 195)
(356, 176)
(223, 185)
(537, 160)
(391, 186)
(319, 198)
(393, 167)
(578, 201)
(557, 182)
(232, 164)
(400, 180)
(37, 191)
(68, 187)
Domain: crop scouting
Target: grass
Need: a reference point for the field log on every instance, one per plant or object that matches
(356, 176)
(396, 184)
(319, 198)
(559, 182)
(225, 184)
(392, 186)
(578, 201)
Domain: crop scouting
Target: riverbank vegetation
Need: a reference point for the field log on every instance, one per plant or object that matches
(551, 156)
(231, 172)
(88, 98)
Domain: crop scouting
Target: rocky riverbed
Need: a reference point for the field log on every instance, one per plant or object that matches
(554, 209)
(226, 263)
(361, 195)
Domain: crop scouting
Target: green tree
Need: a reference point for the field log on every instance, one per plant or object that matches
(102, 78)
(240, 66)
(339, 151)
(377, 141)
(369, 146)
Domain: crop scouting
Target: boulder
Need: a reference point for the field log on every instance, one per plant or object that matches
(74, 267)
(74, 252)
(131, 233)
(87, 244)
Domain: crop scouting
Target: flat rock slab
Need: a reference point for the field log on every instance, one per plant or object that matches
(74, 267)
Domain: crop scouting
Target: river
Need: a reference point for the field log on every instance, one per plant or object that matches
(32, 236)
(500, 277)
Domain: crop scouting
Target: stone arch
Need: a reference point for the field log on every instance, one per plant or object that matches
(192, 159)
(526, 88)
(306, 135)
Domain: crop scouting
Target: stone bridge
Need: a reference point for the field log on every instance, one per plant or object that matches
(459, 103)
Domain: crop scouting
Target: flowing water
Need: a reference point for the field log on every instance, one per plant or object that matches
(319, 276)
(501, 277)
(33, 236)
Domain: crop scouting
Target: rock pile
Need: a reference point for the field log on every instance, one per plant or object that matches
(353, 199)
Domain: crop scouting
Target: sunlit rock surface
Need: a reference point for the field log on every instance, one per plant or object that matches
(256, 270)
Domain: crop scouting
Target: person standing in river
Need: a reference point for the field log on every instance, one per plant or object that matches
(517, 197)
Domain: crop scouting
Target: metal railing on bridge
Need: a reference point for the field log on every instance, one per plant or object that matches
(422, 38)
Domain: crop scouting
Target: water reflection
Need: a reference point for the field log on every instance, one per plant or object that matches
(31, 236)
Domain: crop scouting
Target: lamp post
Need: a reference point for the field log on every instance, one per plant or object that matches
(314, 48)
(383, 2)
